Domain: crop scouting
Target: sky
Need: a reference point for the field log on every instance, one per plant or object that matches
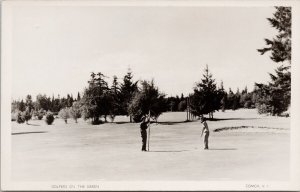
(55, 48)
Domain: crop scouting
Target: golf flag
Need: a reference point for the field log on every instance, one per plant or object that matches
(149, 131)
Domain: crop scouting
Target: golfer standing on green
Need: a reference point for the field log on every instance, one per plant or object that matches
(205, 130)
(144, 126)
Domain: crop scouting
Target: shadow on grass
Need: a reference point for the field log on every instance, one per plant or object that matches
(122, 122)
(215, 119)
(243, 127)
(226, 119)
(154, 123)
(172, 122)
(21, 133)
(223, 149)
(33, 124)
(232, 128)
(168, 151)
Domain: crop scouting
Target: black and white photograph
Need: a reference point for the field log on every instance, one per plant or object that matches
(150, 95)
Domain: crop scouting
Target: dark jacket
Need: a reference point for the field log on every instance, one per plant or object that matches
(144, 125)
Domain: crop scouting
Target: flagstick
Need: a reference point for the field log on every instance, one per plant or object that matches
(149, 133)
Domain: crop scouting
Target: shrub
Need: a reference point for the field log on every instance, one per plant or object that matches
(20, 118)
(248, 104)
(14, 116)
(40, 116)
(64, 114)
(49, 118)
(26, 115)
(97, 121)
(262, 108)
(75, 111)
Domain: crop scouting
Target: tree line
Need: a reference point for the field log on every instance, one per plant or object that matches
(131, 98)
(98, 100)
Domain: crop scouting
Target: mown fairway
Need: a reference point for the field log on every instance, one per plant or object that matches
(112, 151)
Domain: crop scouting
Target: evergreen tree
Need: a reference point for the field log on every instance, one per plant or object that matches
(69, 100)
(236, 100)
(280, 46)
(182, 106)
(222, 96)
(230, 99)
(127, 91)
(243, 96)
(173, 106)
(177, 101)
(115, 99)
(205, 99)
(21, 106)
(182, 97)
(52, 106)
(78, 97)
(63, 103)
(245, 91)
(224, 102)
(29, 103)
(42, 102)
(56, 106)
(96, 99)
(246, 99)
(275, 97)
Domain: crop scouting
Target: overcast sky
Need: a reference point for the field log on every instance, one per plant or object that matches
(56, 48)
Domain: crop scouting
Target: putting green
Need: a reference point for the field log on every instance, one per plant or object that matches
(112, 151)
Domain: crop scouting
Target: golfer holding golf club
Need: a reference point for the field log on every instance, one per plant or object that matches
(144, 125)
(205, 130)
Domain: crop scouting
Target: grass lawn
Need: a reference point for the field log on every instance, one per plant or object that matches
(256, 148)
